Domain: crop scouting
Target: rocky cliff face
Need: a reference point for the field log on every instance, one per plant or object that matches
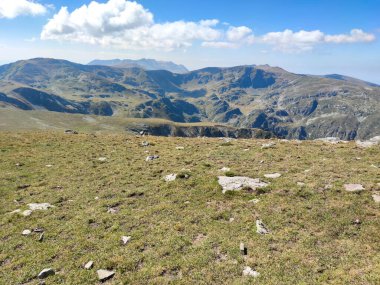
(269, 98)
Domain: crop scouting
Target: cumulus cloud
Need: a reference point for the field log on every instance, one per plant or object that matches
(234, 37)
(11, 9)
(125, 24)
(356, 35)
(289, 41)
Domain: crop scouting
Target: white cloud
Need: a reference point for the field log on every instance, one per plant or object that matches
(356, 35)
(220, 44)
(234, 37)
(12, 8)
(235, 34)
(289, 41)
(125, 24)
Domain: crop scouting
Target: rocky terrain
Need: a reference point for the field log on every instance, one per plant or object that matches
(135, 209)
(269, 98)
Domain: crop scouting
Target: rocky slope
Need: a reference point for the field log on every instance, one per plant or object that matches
(269, 98)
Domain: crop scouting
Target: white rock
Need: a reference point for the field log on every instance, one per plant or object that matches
(89, 265)
(39, 206)
(369, 143)
(272, 175)
(145, 143)
(261, 228)
(376, 198)
(102, 159)
(104, 275)
(332, 140)
(96, 198)
(125, 239)
(254, 201)
(225, 169)
(112, 211)
(170, 177)
(238, 182)
(353, 187)
(180, 148)
(248, 271)
(15, 211)
(231, 220)
(300, 184)
(268, 145)
(46, 273)
(26, 232)
(49, 165)
(26, 213)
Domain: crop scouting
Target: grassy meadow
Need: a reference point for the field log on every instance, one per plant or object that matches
(186, 231)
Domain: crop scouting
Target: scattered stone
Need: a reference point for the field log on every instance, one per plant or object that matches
(89, 265)
(19, 164)
(261, 228)
(376, 198)
(26, 232)
(96, 198)
(170, 177)
(307, 170)
(300, 184)
(49, 165)
(374, 166)
(41, 237)
(243, 249)
(272, 175)
(353, 187)
(39, 206)
(357, 222)
(104, 275)
(145, 144)
(246, 149)
(332, 140)
(180, 148)
(268, 145)
(248, 271)
(328, 186)
(231, 220)
(102, 159)
(125, 239)
(46, 273)
(152, 157)
(225, 169)
(187, 202)
(71, 132)
(26, 213)
(254, 201)
(261, 161)
(112, 211)
(38, 230)
(238, 182)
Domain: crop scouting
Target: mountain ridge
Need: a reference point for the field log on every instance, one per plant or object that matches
(287, 104)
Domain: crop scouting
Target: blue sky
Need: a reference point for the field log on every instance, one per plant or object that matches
(315, 37)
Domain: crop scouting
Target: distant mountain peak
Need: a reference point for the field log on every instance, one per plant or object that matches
(144, 63)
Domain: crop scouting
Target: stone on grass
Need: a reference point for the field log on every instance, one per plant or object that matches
(254, 201)
(170, 177)
(104, 275)
(225, 169)
(46, 273)
(15, 211)
(41, 237)
(152, 157)
(26, 232)
(300, 184)
(71, 132)
(112, 211)
(125, 239)
(376, 198)
(353, 187)
(369, 143)
(26, 213)
(332, 140)
(39, 206)
(180, 148)
(261, 228)
(239, 182)
(89, 265)
(268, 145)
(272, 175)
(248, 271)
(145, 144)
(102, 159)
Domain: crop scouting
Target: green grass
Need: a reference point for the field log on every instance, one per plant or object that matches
(181, 231)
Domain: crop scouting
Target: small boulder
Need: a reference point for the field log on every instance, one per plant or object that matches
(112, 211)
(71, 132)
(39, 206)
(248, 271)
(180, 148)
(254, 201)
(26, 213)
(376, 198)
(261, 228)
(353, 187)
(145, 144)
(26, 232)
(170, 177)
(272, 175)
(225, 169)
(89, 265)
(46, 273)
(102, 159)
(125, 239)
(104, 275)
(239, 182)
(268, 145)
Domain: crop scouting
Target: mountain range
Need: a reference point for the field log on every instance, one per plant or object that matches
(254, 96)
(144, 63)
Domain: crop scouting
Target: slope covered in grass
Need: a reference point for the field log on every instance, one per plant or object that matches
(186, 231)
